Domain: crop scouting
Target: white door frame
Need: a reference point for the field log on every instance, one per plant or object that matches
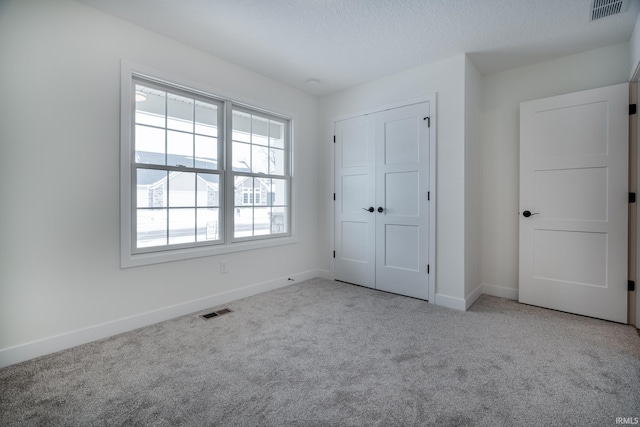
(634, 185)
(634, 212)
(432, 99)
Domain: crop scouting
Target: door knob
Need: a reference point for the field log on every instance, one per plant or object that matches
(527, 214)
(370, 209)
(380, 209)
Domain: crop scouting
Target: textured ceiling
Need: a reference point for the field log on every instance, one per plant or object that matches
(342, 43)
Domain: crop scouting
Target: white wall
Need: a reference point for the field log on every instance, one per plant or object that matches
(59, 145)
(473, 183)
(502, 94)
(446, 79)
(634, 50)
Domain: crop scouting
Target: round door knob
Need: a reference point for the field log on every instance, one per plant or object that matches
(370, 209)
(380, 209)
(527, 214)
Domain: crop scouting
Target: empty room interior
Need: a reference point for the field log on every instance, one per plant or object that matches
(319, 212)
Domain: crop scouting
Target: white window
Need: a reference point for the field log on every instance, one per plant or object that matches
(175, 168)
(260, 166)
(249, 195)
(182, 165)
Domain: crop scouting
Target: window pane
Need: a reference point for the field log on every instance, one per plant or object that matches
(241, 124)
(208, 190)
(151, 186)
(278, 194)
(206, 118)
(243, 191)
(151, 228)
(276, 162)
(279, 220)
(208, 225)
(206, 152)
(179, 113)
(179, 149)
(261, 221)
(260, 159)
(150, 106)
(262, 186)
(276, 134)
(150, 145)
(241, 157)
(182, 226)
(243, 222)
(182, 189)
(260, 131)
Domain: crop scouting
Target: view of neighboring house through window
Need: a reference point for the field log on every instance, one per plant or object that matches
(179, 171)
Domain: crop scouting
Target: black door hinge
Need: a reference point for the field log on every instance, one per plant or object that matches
(632, 109)
(334, 196)
(428, 195)
(334, 139)
(632, 197)
(334, 254)
(631, 285)
(428, 119)
(428, 268)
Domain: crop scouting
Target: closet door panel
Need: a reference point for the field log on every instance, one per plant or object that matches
(402, 214)
(354, 186)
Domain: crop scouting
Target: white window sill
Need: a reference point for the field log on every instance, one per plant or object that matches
(135, 260)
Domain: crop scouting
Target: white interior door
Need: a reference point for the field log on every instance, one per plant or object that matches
(354, 200)
(402, 183)
(574, 185)
(382, 206)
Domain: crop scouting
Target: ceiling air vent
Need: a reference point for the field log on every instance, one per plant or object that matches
(604, 8)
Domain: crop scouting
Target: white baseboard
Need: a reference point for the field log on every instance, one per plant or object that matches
(450, 302)
(500, 291)
(472, 297)
(461, 304)
(20, 353)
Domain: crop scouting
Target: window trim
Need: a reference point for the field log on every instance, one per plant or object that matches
(131, 258)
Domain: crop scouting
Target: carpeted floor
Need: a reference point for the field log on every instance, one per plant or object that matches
(325, 353)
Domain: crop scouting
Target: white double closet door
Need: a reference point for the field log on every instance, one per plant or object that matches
(382, 200)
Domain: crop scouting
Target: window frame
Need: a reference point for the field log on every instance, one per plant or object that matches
(132, 256)
(287, 176)
(220, 168)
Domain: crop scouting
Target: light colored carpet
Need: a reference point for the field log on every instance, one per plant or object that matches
(323, 353)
